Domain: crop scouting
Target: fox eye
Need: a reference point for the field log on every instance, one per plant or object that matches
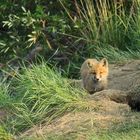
(94, 73)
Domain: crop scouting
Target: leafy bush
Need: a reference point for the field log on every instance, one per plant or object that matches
(25, 23)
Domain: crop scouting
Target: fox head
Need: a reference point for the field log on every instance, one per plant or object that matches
(98, 70)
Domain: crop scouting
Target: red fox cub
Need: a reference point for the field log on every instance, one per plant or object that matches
(94, 74)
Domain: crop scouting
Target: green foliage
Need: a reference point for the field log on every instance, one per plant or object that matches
(107, 29)
(4, 135)
(114, 54)
(107, 23)
(26, 23)
(5, 99)
(40, 95)
(81, 29)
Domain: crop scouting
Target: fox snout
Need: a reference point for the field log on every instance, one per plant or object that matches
(95, 78)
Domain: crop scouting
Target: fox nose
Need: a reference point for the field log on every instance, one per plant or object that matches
(97, 79)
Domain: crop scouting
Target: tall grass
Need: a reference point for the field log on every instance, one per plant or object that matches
(115, 54)
(5, 102)
(5, 135)
(40, 95)
(5, 99)
(107, 23)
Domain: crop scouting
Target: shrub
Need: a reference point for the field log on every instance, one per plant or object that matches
(25, 23)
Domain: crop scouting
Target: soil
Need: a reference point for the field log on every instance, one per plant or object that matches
(124, 76)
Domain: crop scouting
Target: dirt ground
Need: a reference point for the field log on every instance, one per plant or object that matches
(123, 77)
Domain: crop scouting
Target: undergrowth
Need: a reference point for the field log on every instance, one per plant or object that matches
(39, 95)
(108, 29)
(107, 23)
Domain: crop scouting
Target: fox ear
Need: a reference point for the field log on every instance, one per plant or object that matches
(104, 62)
(89, 64)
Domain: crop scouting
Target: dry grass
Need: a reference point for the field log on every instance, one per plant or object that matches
(108, 113)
